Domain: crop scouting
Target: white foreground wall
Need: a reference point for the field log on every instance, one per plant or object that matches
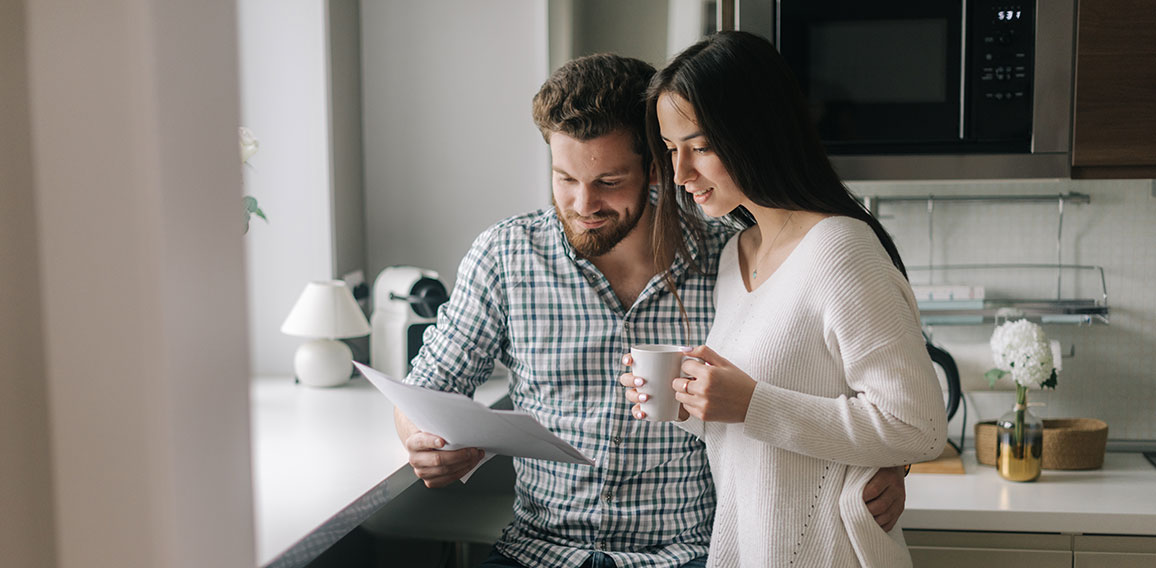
(131, 371)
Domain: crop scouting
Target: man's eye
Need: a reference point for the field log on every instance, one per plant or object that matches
(610, 183)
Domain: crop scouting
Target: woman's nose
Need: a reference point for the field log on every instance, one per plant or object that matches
(683, 170)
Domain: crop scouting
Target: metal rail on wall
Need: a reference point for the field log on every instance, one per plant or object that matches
(1059, 310)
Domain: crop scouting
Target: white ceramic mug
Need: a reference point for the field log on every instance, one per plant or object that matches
(659, 365)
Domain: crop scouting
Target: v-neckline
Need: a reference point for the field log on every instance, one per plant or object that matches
(742, 272)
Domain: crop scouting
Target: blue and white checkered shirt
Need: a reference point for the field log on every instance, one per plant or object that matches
(523, 297)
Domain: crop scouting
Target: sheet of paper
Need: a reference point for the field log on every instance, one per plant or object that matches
(465, 423)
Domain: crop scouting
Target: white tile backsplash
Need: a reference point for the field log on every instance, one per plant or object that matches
(1113, 373)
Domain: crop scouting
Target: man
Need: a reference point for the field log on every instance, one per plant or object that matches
(558, 296)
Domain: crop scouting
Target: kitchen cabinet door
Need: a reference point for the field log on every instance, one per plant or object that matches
(1114, 120)
(1115, 551)
(965, 549)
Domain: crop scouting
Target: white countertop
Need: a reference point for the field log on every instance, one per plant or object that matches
(1120, 498)
(323, 461)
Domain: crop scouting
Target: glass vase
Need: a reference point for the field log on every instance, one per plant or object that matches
(1020, 442)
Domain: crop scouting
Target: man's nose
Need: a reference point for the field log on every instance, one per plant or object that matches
(586, 202)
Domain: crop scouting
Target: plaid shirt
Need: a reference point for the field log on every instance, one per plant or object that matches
(523, 297)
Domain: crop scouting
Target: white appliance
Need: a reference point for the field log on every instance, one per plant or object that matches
(405, 303)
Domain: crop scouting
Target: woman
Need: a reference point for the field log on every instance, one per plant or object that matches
(815, 373)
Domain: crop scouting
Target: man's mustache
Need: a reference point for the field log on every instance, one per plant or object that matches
(594, 217)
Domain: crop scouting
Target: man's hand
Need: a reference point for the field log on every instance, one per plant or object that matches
(431, 464)
(885, 495)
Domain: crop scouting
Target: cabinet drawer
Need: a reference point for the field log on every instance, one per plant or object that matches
(945, 557)
(1094, 551)
(968, 549)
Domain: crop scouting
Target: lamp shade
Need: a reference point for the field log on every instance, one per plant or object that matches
(326, 309)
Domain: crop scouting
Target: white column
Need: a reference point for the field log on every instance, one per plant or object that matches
(134, 113)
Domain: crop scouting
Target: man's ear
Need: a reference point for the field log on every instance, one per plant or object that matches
(653, 172)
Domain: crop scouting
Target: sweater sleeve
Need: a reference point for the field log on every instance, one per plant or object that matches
(895, 414)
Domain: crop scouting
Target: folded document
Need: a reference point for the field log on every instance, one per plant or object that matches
(466, 423)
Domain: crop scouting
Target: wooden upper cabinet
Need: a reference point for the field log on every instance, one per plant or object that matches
(1114, 122)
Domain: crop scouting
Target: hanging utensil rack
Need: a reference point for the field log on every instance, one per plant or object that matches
(1084, 311)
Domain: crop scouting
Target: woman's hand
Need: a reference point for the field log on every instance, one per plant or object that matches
(714, 390)
(632, 383)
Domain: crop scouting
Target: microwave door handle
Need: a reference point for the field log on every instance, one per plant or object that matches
(962, 65)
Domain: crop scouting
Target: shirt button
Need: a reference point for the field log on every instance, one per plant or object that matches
(626, 325)
(608, 496)
(600, 545)
(616, 440)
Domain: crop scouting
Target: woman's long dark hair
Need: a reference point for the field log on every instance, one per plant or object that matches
(753, 115)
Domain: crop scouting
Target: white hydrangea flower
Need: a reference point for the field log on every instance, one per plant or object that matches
(1021, 349)
(249, 144)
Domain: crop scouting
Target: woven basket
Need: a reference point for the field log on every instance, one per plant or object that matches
(1069, 443)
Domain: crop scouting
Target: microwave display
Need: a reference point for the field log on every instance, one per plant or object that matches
(913, 76)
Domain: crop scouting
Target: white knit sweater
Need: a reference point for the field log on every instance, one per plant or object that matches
(845, 386)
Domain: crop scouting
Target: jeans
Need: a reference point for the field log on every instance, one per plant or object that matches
(596, 560)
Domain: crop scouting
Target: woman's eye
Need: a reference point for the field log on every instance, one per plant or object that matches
(702, 149)
(671, 150)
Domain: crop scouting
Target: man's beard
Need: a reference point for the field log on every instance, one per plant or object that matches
(592, 243)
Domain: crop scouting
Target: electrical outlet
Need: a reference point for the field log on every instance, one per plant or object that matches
(353, 279)
(356, 282)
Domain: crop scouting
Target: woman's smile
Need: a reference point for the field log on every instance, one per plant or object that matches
(701, 196)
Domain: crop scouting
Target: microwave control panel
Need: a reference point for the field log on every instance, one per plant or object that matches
(1002, 41)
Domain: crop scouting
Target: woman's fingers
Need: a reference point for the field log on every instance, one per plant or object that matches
(704, 355)
(629, 380)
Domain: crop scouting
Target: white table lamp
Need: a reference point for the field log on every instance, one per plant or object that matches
(326, 312)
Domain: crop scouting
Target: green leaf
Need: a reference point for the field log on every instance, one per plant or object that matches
(1051, 382)
(251, 209)
(994, 375)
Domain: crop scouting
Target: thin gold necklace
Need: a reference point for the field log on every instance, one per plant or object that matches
(758, 261)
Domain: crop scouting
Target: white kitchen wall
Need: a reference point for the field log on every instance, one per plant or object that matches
(132, 373)
(284, 101)
(1112, 375)
(449, 143)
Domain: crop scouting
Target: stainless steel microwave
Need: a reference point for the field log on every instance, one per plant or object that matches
(931, 89)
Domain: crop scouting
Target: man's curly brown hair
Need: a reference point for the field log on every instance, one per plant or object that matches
(595, 95)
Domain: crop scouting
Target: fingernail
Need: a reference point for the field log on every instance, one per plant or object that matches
(638, 381)
(643, 398)
(684, 349)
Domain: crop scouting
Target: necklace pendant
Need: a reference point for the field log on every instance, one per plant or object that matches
(754, 274)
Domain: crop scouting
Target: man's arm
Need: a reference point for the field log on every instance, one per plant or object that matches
(431, 464)
(886, 495)
(458, 354)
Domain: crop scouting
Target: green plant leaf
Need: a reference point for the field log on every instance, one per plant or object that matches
(251, 209)
(1051, 382)
(994, 375)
